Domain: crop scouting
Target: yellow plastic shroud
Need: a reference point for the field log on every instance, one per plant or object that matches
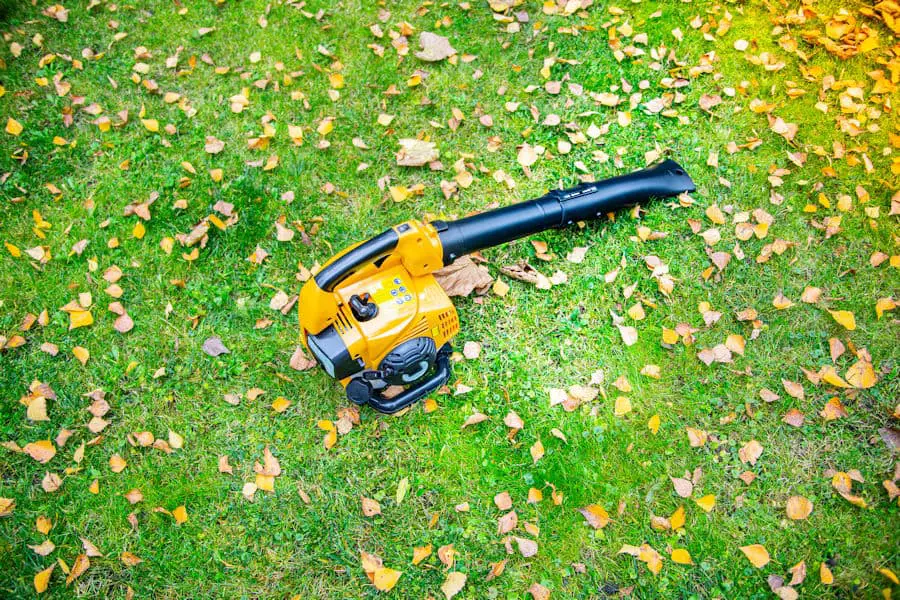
(423, 310)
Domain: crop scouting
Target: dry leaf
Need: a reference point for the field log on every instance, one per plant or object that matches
(756, 554)
(453, 584)
(462, 277)
(798, 508)
(434, 47)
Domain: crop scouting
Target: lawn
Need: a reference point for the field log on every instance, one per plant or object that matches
(706, 407)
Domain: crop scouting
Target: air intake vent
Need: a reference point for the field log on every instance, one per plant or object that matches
(341, 323)
(449, 323)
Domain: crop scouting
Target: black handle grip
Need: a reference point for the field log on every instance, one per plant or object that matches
(341, 267)
(559, 208)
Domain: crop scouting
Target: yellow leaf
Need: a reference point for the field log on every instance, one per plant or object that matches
(677, 519)
(798, 508)
(13, 127)
(217, 222)
(13, 250)
(420, 553)
(890, 575)
(265, 482)
(80, 318)
(271, 163)
(707, 502)
(326, 125)
(280, 404)
(385, 579)
(151, 125)
(81, 354)
(653, 424)
(595, 515)
(622, 407)
(215, 175)
(756, 554)
(139, 230)
(6, 506)
(537, 451)
(399, 193)
(117, 464)
(861, 375)
(43, 525)
(669, 336)
(825, 574)
(42, 579)
(336, 80)
(845, 318)
(881, 306)
(180, 514)
(330, 440)
(681, 556)
(94, 487)
(831, 377)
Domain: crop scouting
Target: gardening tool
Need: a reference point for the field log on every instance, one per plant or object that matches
(374, 316)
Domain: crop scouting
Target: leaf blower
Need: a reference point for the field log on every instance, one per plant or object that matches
(374, 316)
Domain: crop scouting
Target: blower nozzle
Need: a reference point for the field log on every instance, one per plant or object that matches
(559, 208)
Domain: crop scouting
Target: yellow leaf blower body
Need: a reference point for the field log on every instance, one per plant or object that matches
(375, 316)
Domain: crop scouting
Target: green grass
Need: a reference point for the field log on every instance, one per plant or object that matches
(278, 546)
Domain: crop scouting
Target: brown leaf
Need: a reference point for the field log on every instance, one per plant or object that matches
(539, 592)
(82, 563)
(507, 522)
(300, 361)
(474, 419)
(503, 501)
(527, 548)
(750, 452)
(370, 507)
(41, 451)
(523, 271)
(462, 277)
(683, 487)
(798, 508)
(90, 549)
(415, 153)
(213, 346)
(434, 47)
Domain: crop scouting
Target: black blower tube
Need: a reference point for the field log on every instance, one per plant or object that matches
(559, 208)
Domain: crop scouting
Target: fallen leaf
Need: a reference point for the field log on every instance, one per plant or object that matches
(750, 452)
(385, 579)
(595, 515)
(683, 487)
(370, 507)
(180, 515)
(213, 346)
(798, 508)
(462, 277)
(453, 584)
(415, 153)
(434, 47)
(42, 579)
(756, 554)
(41, 451)
(82, 563)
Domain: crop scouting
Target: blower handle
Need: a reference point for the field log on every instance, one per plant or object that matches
(559, 208)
